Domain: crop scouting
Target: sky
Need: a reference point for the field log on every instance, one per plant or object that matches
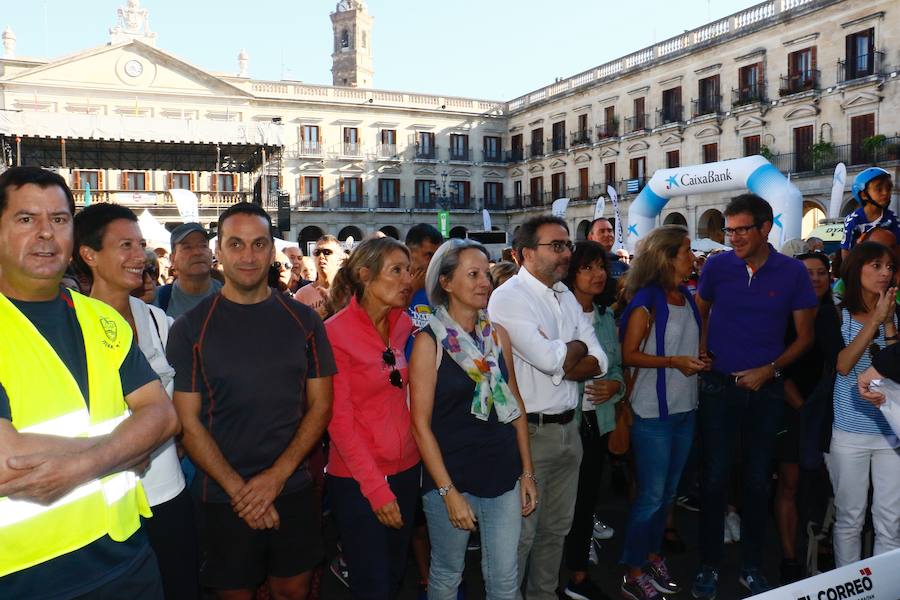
(474, 48)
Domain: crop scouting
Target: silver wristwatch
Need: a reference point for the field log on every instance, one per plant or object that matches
(443, 491)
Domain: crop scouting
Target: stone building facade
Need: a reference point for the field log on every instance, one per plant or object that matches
(807, 83)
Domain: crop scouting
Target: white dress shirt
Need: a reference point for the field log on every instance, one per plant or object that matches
(540, 322)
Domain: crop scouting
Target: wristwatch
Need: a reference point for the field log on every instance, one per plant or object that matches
(776, 370)
(443, 491)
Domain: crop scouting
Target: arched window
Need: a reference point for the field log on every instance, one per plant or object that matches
(345, 39)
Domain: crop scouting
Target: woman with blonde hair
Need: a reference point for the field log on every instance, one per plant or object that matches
(373, 466)
(661, 340)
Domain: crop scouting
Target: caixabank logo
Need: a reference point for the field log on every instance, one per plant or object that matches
(861, 588)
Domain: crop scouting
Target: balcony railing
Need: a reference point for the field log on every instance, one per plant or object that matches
(493, 156)
(160, 197)
(459, 202)
(748, 95)
(669, 114)
(460, 155)
(857, 67)
(391, 201)
(353, 149)
(536, 150)
(706, 105)
(308, 148)
(426, 202)
(354, 200)
(387, 151)
(515, 155)
(587, 193)
(557, 144)
(802, 81)
(607, 130)
(311, 200)
(426, 152)
(581, 137)
(494, 203)
(637, 123)
(823, 158)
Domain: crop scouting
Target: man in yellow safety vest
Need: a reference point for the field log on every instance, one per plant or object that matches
(80, 411)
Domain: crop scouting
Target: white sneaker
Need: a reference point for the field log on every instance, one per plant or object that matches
(733, 526)
(602, 531)
(592, 553)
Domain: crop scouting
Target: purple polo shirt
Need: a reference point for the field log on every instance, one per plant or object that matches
(749, 315)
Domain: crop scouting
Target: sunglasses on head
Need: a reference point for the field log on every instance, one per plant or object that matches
(390, 360)
(323, 251)
(280, 266)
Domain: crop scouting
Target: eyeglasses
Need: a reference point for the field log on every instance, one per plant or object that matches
(323, 251)
(559, 246)
(740, 231)
(390, 360)
(279, 266)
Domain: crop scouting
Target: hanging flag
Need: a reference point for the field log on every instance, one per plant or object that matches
(87, 194)
(559, 207)
(600, 207)
(837, 191)
(486, 219)
(614, 198)
(188, 205)
(444, 223)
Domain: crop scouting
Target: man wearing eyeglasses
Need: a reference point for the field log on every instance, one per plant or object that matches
(746, 298)
(253, 391)
(554, 347)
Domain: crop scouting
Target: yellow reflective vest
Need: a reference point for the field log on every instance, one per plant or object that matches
(45, 398)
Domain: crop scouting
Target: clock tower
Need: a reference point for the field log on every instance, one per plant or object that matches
(351, 60)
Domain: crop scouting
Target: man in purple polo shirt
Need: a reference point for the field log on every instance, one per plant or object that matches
(745, 298)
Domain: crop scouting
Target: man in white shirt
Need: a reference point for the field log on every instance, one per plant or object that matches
(554, 347)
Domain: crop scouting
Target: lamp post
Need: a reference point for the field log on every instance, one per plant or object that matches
(444, 202)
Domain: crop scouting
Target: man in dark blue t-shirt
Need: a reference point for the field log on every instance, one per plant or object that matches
(36, 239)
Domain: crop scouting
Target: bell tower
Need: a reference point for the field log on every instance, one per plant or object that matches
(351, 60)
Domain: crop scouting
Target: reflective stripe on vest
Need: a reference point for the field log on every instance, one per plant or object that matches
(45, 399)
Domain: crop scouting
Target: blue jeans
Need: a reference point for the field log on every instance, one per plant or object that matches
(661, 447)
(733, 420)
(499, 521)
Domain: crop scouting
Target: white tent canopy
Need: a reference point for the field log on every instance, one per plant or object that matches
(153, 231)
(707, 245)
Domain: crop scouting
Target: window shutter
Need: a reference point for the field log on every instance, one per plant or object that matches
(100, 179)
(321, 188)
(193, 185)
(170, 177)
(76, 180)
(812, 54)
(213, 182)
(342, 187)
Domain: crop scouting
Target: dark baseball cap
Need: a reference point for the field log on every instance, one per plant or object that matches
(184, 230)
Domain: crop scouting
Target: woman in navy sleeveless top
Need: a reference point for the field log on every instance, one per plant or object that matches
(467, 421)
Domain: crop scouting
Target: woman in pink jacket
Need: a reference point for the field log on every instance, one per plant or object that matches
(373, 468)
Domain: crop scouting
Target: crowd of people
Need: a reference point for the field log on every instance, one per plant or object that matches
(174, 424)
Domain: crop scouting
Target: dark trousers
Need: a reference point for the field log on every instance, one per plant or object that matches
(589, 474)
(734, 420)
(173, 536)
(376, 555)
(140, 582)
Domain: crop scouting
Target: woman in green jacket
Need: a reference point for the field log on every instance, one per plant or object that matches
(586, 278)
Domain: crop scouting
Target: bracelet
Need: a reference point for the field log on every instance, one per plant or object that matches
(668, 362)
(891, 338)
(527, 475)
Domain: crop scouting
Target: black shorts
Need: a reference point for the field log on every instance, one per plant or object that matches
(234, 556)
(787, 444)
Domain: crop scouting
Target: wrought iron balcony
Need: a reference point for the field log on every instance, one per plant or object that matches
(316, 200)
(494, 156)
(674, 113)
(350, 200)
(515, 155)
(706, 105)
(308, 148)
(801, 81)
(429, 201)
(536, 150)
(391, 201)
(857, 67)
(557, 144)
(637, 123)
(580, 137)
(607, 130)
(426, 152)
(460, 155)
(387, 151)
(494, 203)
(748, 95)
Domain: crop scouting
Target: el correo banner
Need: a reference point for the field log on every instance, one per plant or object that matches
(876, 578)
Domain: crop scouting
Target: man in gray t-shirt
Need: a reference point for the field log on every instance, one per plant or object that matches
(192, 260)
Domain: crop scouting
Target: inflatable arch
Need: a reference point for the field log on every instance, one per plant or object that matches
(753, 173)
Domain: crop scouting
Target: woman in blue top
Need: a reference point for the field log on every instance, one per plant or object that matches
(661, 338)
(468, 421)
(588, 273)
(862, 441)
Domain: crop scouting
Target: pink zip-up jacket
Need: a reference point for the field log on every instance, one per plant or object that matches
(370, 425)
